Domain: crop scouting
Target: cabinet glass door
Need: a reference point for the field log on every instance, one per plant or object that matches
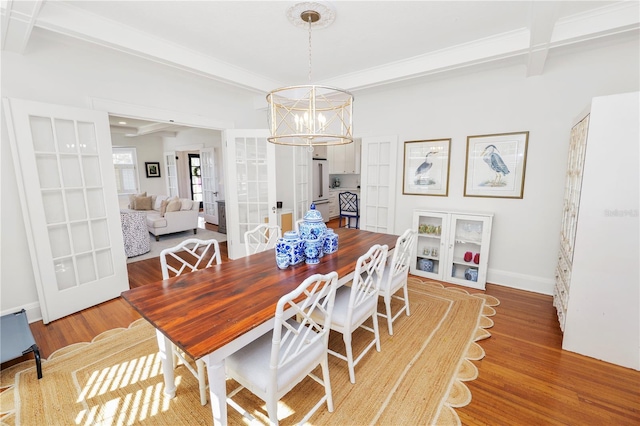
(468, 247)
(429, 255)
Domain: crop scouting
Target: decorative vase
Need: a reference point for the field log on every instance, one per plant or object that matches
(468, 256)
(312, 247)
(291, 245)
(471, 274)
(330, 242)
(476, 258)
(282, 260)
(313, 225)
(425, 265)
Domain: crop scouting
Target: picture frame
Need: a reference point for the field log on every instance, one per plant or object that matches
(495, 165)
(153, 169)
(426, 167)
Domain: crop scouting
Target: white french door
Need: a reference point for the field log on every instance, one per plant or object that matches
(302, 181)
(209, 185)
(378, 184)
(64, 169)
(250, 185)
(171, 173)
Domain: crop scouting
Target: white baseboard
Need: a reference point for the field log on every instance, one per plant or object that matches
(521, 281)
(32, 309)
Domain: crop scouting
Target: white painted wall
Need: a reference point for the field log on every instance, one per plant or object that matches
(525, 238)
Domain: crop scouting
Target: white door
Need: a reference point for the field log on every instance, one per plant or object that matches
(250, 179)
(171, 173)
(378, 184)
(209, 185)
(64, 169)
(302, 181)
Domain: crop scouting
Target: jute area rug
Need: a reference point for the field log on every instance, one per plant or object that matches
(417, 378)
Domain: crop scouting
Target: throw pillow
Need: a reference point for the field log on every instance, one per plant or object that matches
(163, 207)
(186, 204)
(142, 203)
(158, 202)
(132, 198)
(173, 206)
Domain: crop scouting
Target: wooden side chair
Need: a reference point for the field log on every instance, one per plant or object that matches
(357, 303)
(261, 238)
(189, 256)
(395, 277)
(274, 364)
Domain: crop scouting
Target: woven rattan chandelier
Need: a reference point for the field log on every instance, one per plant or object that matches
(310, 115)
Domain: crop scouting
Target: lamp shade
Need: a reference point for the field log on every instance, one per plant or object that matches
(309, 115)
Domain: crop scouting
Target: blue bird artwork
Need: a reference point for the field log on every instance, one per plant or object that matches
(421, 177)
(492, 157)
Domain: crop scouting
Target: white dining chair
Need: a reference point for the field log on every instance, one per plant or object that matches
(189, 256)
(358, 302)
(395, 277)
(261, 238)
(275, 363)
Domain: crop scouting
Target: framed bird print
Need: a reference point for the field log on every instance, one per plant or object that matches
(426, 167)
(495, 165)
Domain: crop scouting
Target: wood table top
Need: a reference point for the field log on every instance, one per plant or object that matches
(204, 310)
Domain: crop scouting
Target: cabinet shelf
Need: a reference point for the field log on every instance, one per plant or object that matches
(434, 236)
(461, 241)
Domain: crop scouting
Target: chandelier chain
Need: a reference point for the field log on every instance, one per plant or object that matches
(309, 20)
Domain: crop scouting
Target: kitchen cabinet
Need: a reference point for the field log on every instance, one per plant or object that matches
(597, 284)
(452, 246)
(344, 159)
(334, 207)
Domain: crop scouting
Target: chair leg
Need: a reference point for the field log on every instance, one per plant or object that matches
(272, 409)
(327, 382)
(36, 354)
(406, 299)
(387, 304)
(376, 330)
(346, 337)
(202, 381)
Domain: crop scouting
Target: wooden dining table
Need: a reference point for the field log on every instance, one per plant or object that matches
(211, 313)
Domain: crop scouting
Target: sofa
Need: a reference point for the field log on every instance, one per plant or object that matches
(167, 215)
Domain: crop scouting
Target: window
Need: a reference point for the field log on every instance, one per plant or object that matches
(124, 163)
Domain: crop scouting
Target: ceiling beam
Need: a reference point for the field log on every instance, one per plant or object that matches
(18, 20)
(542, 21)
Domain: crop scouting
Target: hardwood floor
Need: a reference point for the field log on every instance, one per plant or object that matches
(524, 379)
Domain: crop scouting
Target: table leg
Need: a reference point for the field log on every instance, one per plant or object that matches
(217, 389)
(166, 356)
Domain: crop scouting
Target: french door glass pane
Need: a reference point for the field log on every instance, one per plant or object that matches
(42, 134)
(66, 136)
(75, 198)
(59, 238)
(87, 138)
(65, 274)
(48, 173)
(53, 207)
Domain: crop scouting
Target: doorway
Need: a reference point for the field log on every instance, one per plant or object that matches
(195, 177)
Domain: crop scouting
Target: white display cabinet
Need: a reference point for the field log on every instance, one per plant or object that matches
(452, 246)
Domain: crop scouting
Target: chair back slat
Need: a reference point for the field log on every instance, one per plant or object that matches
(188, 256)
(292, 338)
(348, 202)
(402, 254)
(367, 277)
(261, 238)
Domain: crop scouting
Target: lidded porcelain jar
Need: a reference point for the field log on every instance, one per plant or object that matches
(330, 242)
(312, 225)
(292, 245)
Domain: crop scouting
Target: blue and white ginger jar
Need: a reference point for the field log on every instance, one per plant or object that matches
(312, 250)
(330, 242)
(292, 245)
